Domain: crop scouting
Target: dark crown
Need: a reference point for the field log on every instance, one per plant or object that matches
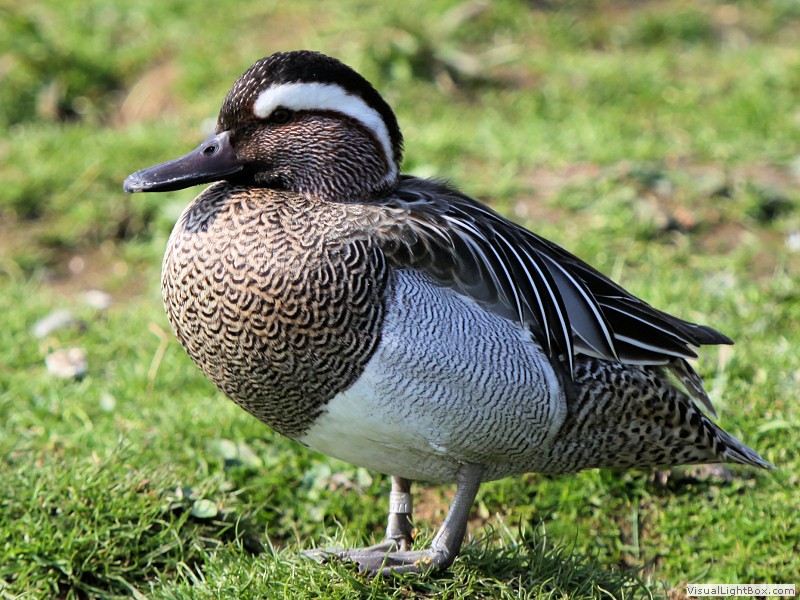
(304, 66)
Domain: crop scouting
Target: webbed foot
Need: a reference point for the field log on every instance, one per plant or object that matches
(393, 554)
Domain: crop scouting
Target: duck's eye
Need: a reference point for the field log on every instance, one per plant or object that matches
(280, 115)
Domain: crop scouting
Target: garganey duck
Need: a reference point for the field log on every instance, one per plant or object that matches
(398, 324)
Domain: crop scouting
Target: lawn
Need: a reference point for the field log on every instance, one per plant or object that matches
(658, 140)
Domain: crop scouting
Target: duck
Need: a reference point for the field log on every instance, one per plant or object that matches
(398, 324)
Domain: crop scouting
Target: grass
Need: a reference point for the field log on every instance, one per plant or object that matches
(658, 140)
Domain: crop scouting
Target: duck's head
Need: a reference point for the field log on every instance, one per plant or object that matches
(298, 121)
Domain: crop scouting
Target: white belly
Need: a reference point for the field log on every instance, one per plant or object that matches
(449, 383)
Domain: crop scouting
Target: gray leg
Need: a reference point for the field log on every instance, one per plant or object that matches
(399, 527)
(385, 558)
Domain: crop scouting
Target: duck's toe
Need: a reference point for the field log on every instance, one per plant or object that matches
(384, 559)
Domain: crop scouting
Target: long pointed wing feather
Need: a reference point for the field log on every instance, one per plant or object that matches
(569, 306)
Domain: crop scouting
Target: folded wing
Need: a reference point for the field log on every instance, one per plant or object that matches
(570, 307)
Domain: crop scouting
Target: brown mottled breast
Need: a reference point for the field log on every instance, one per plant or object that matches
(276, 297)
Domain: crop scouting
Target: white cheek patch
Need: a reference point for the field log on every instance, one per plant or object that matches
(326, 96)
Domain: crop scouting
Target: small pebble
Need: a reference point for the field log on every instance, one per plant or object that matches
(186, 493)
(793, 241)
(97, 299)
(204, 509)
(235, 453)
(247, 457)
(794, 164)
(58, 319)
(107, 402)
(223, 448)
(67, 364)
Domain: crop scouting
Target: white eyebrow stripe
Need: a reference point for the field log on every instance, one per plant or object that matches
(326, 96)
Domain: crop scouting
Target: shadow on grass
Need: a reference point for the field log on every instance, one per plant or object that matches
(530, 562)
(502, 564)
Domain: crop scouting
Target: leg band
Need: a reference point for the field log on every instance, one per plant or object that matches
(400, 502)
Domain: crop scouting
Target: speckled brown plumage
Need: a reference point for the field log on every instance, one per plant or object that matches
(623, 416)
(273, 304)
(279, 298)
